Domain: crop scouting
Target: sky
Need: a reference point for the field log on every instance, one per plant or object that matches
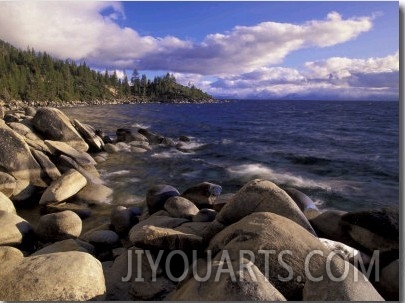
(232, 49)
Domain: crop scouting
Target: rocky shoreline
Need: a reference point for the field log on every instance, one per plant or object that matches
(261, 243)
(17, 105)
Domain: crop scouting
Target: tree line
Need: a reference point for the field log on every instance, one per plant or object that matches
(27, 75)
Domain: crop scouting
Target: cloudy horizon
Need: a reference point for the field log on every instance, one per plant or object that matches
(257, 56)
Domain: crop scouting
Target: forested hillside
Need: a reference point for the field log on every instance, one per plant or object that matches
(27, 75)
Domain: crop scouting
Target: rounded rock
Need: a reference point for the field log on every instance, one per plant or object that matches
(157, 196)
(180, 207)
(59, 226)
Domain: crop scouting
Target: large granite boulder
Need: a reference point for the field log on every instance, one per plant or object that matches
(14, 230)
(59, 147)
(65, 245)
(203, 195)
(47, 165)
(243, 281)
(9, 258)
(59, 226)
(262, 196)
(339, 281)
(63, 276)
(388, 284)
(89, 135)
(26, 130)
(63, 188)
(55, 125)
(95, 194)
(269, 237)
(16, 158)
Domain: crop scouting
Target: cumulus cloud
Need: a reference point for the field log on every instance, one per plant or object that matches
(340, 78)
(81, 31)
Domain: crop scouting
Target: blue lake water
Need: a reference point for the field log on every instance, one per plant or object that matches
(344, 155)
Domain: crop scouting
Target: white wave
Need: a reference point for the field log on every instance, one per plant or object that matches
(188, 146)
(226, 141)
(140, 125)
(167, 154)
(250, 171)
(117, 173)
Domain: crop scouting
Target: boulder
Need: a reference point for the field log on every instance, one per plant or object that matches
(62, 246)
(7, 184)
(180, 207)
(262, 196)
(194, 228)
(376, 229)
(141, 284)
(80, 209)
(63, 188)
(137, 232)
(47, 165)
(126, 135)
(111, 148)
(388, 285)
(270, 237)
(304, 202)
(95, 194)
(26, 130)
(9, 258)
(139, 150)
(152, 137)
(122, 219)
(58, 147)
(30, 111)
(23, 190)
(63, 276)
(6, 204)
(153, 237)
(329, 225)
(346, 252)
(2, 112)
(56, 126)
(14, 230)
(203, 194)
(88, 171)
(221, 200)
(89, 135)
(205, 215)
(102, 239)
(16, 158)
(59, 226)
(242, 281)
(339, 281)
(157, 196)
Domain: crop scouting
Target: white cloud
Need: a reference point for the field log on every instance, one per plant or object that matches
(343, 78)
(80, 31)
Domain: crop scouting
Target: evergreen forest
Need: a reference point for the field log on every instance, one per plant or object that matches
(27, 75)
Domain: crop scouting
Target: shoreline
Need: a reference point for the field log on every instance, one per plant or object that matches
(56, 171)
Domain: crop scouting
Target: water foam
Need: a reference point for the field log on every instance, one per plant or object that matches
(117, 173)
(249, 171)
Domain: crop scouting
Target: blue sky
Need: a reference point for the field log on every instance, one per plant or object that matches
(265, 49)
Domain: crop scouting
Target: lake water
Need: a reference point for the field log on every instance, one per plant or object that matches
(344, 155)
